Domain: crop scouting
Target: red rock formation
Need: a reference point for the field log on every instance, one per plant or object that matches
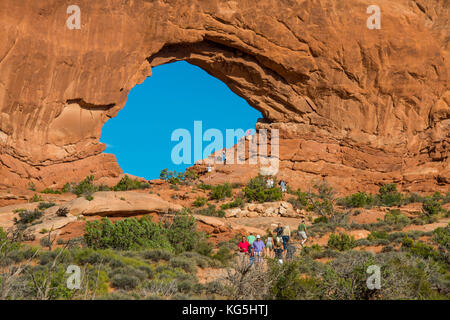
(357, 106)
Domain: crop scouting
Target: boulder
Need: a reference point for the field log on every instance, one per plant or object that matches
(125, 203)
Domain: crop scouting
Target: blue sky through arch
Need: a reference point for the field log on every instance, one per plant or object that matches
(176, 95)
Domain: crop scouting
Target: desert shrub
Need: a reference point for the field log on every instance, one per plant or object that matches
(388, 195)
(321, 219)
(45, 205)
(36, 198)
(211, 211)
(203, 186)
(184, 263)
(413, 198)
(238, 202)
(357, 200)
(323, 207)
(431, 207)
(174, 177)
(27, 217)
(158, 254)
(221, 192)
(442, 236)
(126, 234)
(199, 202)
(31, 186)
(257, 190)
(182, 234)
(395, 217)
(341, 242)
(66, 188)
(377, 235)
(419, 249)
(300, 201)
(86, 186)
(50, 191)
(62, 212)
(126, 183)
(224, 255)
(124, 281)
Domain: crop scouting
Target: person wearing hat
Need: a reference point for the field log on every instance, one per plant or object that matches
(258, 248)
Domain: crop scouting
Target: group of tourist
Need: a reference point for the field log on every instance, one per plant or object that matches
(278, 248)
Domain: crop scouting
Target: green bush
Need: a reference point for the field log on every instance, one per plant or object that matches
(158, 254)
(50, 191)
(442, 236)
(389, 196)
(36, 198)
(211, 211)
(224, 254)
(174, 177)
(184, 263)
(221, 192)
(431, 207)
(27, 217)
(395, 217)
(86, 187)
(257, 190)
(182, 234)
(124, 281)
(341, 242)
(45, 205)
(126, 183)
(199, 202)
(126, 234)
(357, 200)
(299, 202)
(238, 202)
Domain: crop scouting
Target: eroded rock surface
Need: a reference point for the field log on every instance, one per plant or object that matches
(354, 105)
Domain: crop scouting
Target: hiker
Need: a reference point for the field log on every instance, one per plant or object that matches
(290, 250)
(286, 236)
(243, 245)
(278, 252)
(224, 158)
(258, 248)
(302, 232)
(279, 231)
(269, 246)
(251, 238)
(283, 186)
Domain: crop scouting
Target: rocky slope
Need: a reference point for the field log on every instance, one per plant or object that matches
(357, 106)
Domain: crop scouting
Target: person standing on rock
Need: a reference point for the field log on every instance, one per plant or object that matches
(283, 186)
(224, 158)
(302, 232)
(286, 236)
(258, 248)
(279, 232)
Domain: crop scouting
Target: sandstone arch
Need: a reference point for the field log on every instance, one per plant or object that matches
(355, 105)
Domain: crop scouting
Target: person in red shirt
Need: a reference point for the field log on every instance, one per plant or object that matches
(243, 245)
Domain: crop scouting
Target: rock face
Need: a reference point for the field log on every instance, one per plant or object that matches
(355, 105)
